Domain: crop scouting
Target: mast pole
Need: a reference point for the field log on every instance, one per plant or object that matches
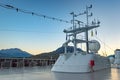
(86, 33)
(87, 25)
(74, 27)
(66, 45)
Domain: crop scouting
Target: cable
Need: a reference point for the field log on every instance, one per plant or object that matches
(14, 30)
(32, 13)
(104, 43)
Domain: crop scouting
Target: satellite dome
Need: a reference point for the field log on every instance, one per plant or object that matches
(94, 46)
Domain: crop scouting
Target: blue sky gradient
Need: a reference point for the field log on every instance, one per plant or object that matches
(36, 34)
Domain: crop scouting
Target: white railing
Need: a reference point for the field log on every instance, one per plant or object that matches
(24, 62)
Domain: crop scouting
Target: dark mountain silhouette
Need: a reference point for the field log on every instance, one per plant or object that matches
(18, 53)
(55, 54)
(62, 49)
(111, 56)
(13, 53)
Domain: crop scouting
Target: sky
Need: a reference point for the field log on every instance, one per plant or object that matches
(36, 35)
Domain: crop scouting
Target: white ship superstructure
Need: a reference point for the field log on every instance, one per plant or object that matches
(81, 61)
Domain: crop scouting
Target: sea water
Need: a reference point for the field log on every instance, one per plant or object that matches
(44, 73)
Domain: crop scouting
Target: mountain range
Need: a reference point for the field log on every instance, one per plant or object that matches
(13, 53)
(18, 53)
